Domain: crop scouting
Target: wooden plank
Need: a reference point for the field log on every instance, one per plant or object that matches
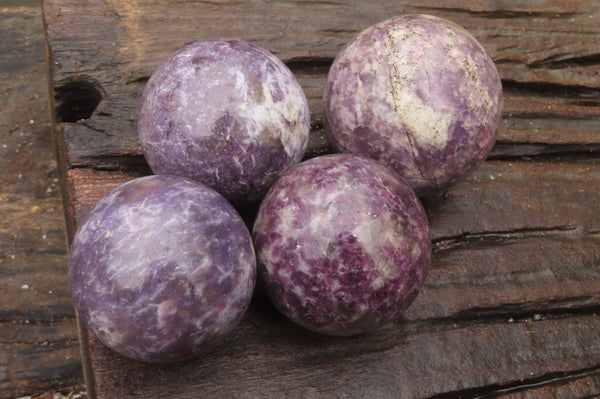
(512, 298)
(39, 350)
(38, 356)
(501, 273)
(504, 277)
(550, 263)
(563, 386)
(283, 361)
(86, 187)
(500, 197)
(98, 75)
(132, 31)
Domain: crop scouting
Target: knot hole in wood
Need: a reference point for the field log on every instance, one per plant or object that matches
(77, 98)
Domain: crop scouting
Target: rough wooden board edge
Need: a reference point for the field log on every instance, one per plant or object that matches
(278, 28)
(479, 245)
(559, 196)
(418, 365)
(89, 181)
(115, 151)
(25, 370)
(92, 184)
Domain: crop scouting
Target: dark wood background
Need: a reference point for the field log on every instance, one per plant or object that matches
(510, 307)
(39, 349)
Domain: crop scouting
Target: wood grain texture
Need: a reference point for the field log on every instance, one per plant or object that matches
(564, 386)
(547, 55)
(282, 361)
(510, 307)
(493, 281)
(39, 351)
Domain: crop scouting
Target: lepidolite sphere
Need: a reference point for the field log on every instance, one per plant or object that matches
(227, 113)
(419, 94)
(162, 269)
(343, 245)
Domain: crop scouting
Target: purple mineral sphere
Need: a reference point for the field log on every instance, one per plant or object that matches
(419, 94)
(226, 113)
(343, 244)
(162, 269)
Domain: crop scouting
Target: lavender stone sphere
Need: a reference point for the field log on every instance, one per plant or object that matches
(343, 244)
(162, 269)
(419, 94)
(227, 113)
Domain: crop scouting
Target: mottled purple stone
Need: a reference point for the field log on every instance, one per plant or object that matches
(162, 269)
(343, 244)
(227, 113)
(419, 94)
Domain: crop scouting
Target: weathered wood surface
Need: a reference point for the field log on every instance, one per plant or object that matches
(510, 307)
(39, 351)
(103, 53)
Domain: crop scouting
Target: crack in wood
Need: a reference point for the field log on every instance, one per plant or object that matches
(49, 343)
(114, 162)
(525, 384)
(509, 313)
(141, 80)
(222, 2)
(337, 31)
(586, 103)
(546, 89)
(540, 153)
(496, 237)
(556, 62)
(320, 3)
(503, 14)
(525, 312)
(38, 317)
(95, 129)
(312, 64)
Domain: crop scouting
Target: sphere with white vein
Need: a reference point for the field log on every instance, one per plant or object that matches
(162, 269)
(342, 244)
(419, 94)
(227, 113)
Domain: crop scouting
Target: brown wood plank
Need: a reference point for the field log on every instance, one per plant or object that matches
(505, 277)
(512, 298)
(536, 119)
(107, 67)
(539, 267)
(132, 31)
(560, 386)
(498, 198)
(501, 273)
(283, 361)
(38, 356)
(503, 197)
(87, 186)
(39, 351)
